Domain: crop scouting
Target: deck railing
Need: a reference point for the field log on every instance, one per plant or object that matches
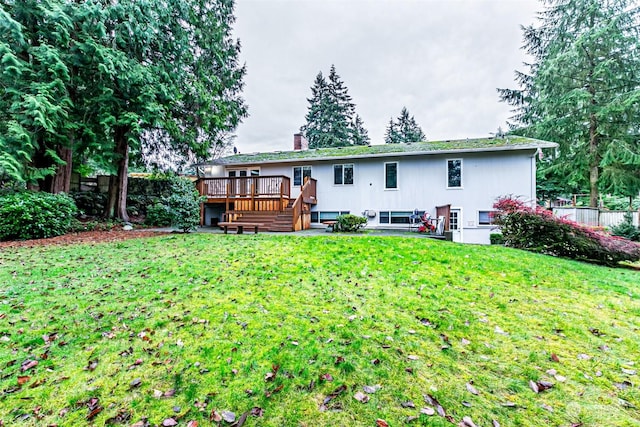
(245, 186)
(248, 193)
(308, 191)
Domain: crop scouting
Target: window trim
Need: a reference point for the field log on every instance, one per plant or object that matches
(491, 222)
(302, 168)
(460, 187)
(384, 176)
(343, 167)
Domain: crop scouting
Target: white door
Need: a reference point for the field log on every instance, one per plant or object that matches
(455, 224)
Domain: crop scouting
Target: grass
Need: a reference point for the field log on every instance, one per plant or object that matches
(179, 326)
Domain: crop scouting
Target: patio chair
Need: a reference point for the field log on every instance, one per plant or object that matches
(440, 226)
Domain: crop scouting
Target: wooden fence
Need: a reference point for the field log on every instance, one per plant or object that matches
(594, 217)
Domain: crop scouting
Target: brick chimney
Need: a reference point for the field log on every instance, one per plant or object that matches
(300, 142)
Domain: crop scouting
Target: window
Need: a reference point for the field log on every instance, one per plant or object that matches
(454, 220)
(395, 217)
(486, 217)
(326, 215)
(454, 173)
(343, 174)
(391, 175)
(300, 173)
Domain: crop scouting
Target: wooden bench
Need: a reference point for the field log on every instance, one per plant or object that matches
(240, 226)
(330, 224)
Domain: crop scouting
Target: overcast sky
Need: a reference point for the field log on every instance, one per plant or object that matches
(442, 59)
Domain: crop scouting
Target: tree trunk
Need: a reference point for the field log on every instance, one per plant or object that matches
(594, 161)
(117, 204)
(61, 181)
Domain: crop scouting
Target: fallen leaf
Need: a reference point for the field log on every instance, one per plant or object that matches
(192, 423)
(93, 412)
(628, 371)
(23, 380)
(412, 357)
(268, 393)
(381, 423)
(257, 411)
(471, 389)
(228, 416)
(495, 423)
(28, 364)
(157, 394)
(370, 389)
(270, 376)
(408, 404)
(583, 356)
(215, 416)
(135, 383)
(361, 397)
(555, 358)
(428, 411)
(434, 402)
(169, 422)
(467, 422)
(335, 393)
(326, 377)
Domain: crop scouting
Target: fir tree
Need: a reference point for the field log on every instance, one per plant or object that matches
(405, 130)
(360, 136)
(331, 120)
(582, 91)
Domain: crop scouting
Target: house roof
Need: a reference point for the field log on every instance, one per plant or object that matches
(508, 143)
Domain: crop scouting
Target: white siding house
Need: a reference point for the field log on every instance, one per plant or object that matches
(388, 182)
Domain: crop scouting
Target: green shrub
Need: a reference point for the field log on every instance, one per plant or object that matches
(90, 203)
(181, 209)
(626, 228)
(496, 238)
(159, 215)
(538, 230)
(350, 223)
(33, 215)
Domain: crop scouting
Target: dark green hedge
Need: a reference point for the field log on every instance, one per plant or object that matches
(33, 215)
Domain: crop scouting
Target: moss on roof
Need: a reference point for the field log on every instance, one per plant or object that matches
(430, 147)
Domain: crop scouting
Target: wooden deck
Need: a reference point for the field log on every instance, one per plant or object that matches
(267, 195)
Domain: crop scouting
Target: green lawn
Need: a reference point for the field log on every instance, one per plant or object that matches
(193, 327)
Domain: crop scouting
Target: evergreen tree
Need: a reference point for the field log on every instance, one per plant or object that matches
(391, 134)
(405, 130)
(360, 136)
(331, 118)
(98, 78)
(583, 90)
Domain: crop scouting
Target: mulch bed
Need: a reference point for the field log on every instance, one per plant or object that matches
(114, 235)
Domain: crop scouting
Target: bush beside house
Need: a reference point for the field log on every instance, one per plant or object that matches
(350, 222)
(538, 230)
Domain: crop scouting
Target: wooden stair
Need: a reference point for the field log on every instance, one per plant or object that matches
(272, 220)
